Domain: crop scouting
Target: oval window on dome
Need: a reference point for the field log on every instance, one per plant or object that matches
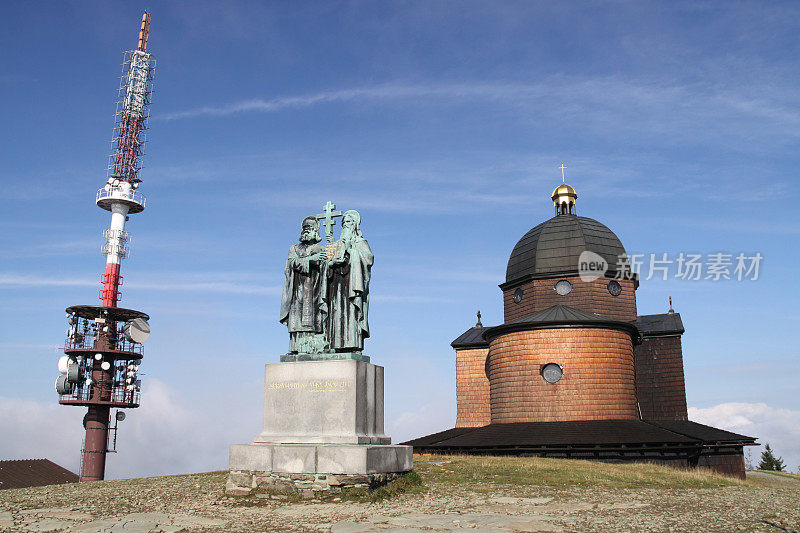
(614, 288)
(563, 287)
(518, 294)
(552, 372)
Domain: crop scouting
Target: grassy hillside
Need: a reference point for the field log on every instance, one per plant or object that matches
(451, 492)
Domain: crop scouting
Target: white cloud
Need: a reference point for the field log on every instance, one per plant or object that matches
(665, 106)
(39, 430)
(426, 419)
(408, 298)
(385, 92)
(168, 434)
(55, 249)
(172, 434)
(55, 348)
(215, 286)
(778, 427)
(21, 281)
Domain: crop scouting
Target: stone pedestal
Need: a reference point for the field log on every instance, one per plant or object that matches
(323, 402)
(323, 420)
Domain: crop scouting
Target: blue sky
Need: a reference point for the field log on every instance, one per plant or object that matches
(443, 124)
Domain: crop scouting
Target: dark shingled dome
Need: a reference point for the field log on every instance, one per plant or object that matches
(553, 247)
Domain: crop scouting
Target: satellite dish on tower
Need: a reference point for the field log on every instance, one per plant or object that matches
(137, 330)
(73, 371)
(120, 416)
(62, 385)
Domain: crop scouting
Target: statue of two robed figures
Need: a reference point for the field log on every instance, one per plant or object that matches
(325, 301)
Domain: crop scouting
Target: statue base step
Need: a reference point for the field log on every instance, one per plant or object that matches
(308, 485)
(345, 459)
(306, 469)
(332, 356)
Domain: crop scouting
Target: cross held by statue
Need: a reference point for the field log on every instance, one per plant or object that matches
(327, 219)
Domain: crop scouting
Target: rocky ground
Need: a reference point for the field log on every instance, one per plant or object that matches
(481, 494)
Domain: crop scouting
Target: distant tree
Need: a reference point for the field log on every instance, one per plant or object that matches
(769, 461)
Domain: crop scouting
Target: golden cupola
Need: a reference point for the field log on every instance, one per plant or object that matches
(564, 199)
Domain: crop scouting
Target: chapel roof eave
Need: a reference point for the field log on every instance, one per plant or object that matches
(561, 317)
(570, 436)
(611, 274)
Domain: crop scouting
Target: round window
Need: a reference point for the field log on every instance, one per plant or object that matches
(614, 288)
(518, 294)
(563, 287)
(552, 372)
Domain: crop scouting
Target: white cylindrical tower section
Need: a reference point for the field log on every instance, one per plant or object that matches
(118, 199)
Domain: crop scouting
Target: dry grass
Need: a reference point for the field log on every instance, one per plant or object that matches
(531, 471)
(409, 483)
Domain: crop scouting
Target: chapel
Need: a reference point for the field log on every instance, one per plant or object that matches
(574, 370)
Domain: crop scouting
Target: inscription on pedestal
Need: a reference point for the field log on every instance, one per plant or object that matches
(312, 386)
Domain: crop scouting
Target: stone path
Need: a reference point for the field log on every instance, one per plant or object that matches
(69, 519)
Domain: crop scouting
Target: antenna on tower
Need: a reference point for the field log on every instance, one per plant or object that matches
(144, 33)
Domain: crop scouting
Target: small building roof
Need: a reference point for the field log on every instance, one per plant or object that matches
(17, 474)
(472, 338)
(707, 434)
(558, 314)
(663, 324)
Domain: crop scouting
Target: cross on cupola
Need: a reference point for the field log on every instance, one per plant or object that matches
(564, 196)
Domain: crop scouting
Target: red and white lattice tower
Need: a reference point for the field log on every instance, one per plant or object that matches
(104, 343)
(120, 194)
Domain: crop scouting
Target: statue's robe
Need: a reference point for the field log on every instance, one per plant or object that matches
(348, 295)
(303, 308)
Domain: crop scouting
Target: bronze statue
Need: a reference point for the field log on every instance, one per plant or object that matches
(348, 287)
(325, 301)
(303, 308)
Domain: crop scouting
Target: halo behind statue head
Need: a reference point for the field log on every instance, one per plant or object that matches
(356, 217)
